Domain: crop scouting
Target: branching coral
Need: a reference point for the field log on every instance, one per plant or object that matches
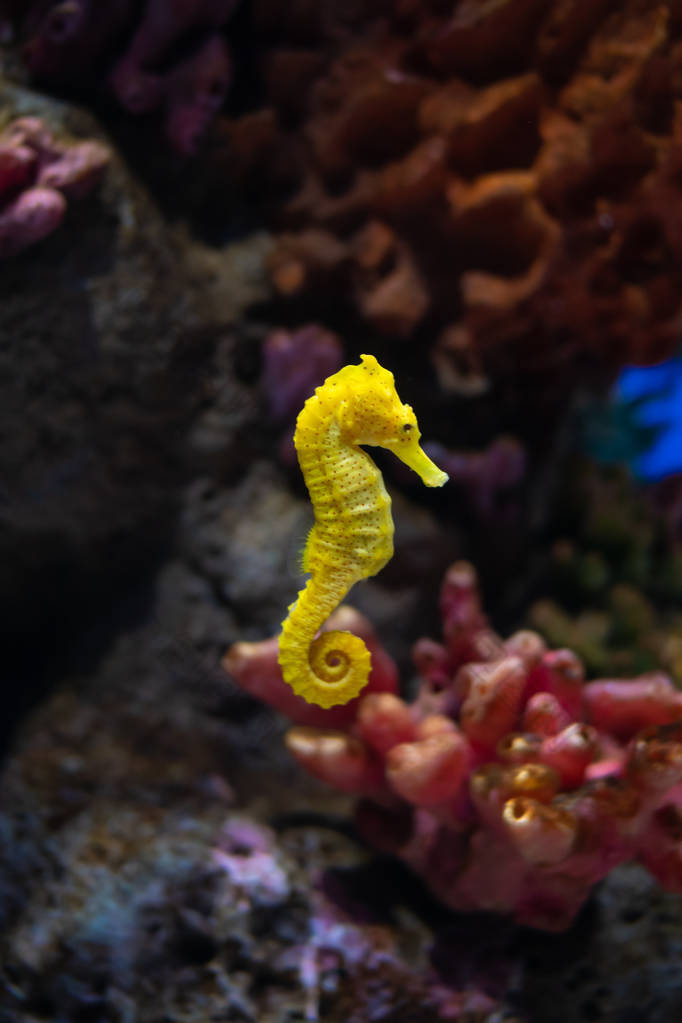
(68, 41)
(509, 784)
(38, 174)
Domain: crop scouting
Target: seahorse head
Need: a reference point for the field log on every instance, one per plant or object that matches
(373, 414)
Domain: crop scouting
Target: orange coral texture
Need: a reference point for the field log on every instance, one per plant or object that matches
(507, 174)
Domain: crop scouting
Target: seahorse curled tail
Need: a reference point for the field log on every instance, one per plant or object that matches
(331, 668)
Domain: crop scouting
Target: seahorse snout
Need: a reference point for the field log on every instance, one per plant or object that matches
(416, 459)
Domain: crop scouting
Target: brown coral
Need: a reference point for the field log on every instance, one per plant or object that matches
(506, 174)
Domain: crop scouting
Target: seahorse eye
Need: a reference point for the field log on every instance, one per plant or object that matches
(407, 427)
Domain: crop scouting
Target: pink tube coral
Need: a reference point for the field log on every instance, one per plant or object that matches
(509, 784)
(37, 176)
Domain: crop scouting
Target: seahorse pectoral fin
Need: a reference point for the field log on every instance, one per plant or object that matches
(417, 460)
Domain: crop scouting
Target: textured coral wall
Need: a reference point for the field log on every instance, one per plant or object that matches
(502, 179)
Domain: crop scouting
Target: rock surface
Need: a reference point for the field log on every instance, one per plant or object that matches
(160, 857)
(108, 334)
(140, 876)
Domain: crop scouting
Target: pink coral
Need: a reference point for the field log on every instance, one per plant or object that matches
(294, 364)
(509, 784)
(37, 176)
(67, 41)
(483, 474)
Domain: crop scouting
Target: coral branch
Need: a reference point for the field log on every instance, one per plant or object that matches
(431, 770)
(625, 707)
(335, 757)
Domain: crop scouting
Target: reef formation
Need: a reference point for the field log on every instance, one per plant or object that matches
(496, 184)
(503, 177)
(509, 784)
(499, 180)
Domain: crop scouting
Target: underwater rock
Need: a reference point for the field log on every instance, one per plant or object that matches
(509, 784)
(157, 849)
(581, 974)
(244, 537)
(109, 330)
(171, 58)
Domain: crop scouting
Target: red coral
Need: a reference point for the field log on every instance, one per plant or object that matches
(509, 784)
(68, 41)
(37, 176)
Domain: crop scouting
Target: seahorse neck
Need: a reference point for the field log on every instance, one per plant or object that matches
(318, 440)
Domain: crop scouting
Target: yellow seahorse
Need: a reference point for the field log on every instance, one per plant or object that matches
(353, 533)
